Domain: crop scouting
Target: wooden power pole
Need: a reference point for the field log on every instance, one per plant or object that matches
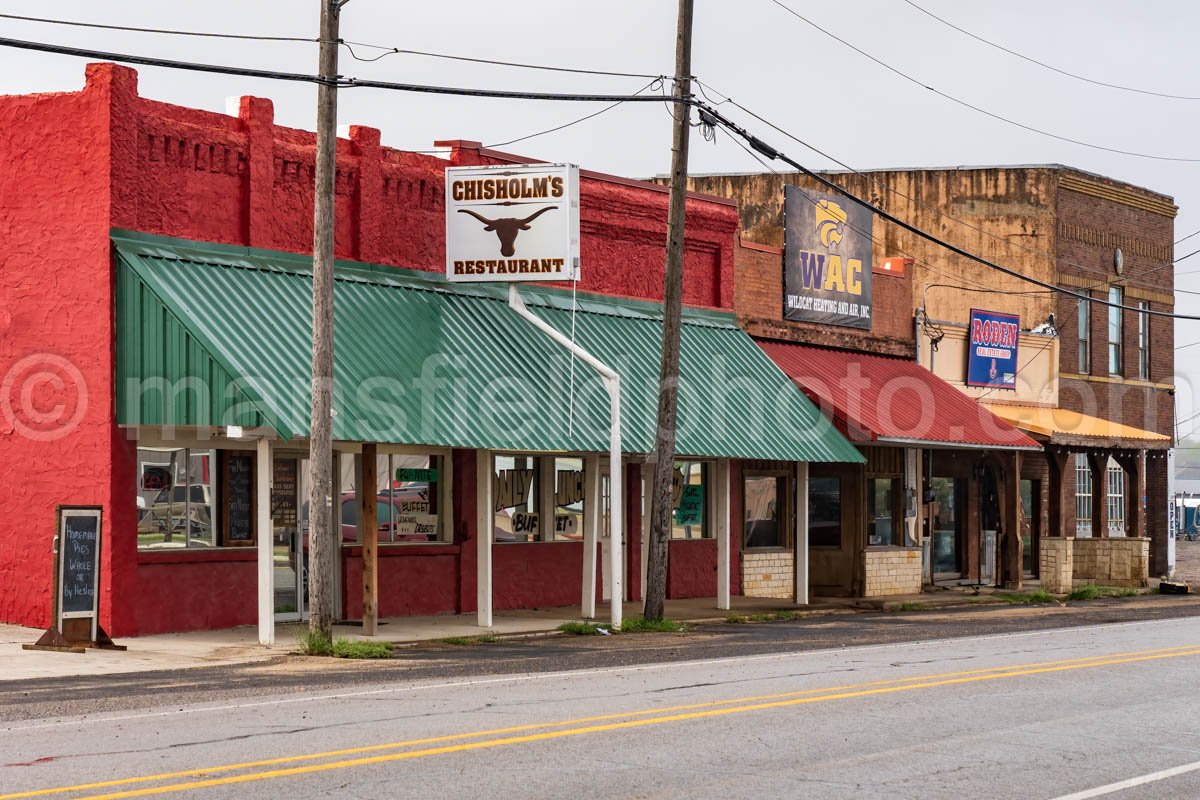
(668, 388)
(320, 501)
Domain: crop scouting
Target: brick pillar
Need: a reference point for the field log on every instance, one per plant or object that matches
(258, 183)
(1099, 467)
(368, 199)
(1057, 564)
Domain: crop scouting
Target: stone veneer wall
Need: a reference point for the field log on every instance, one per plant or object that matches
(1057, 564)
(1113, 562)
(770, 574)
(892, 571)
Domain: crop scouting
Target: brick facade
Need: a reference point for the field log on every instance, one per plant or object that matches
(768, 574)
(891, 572)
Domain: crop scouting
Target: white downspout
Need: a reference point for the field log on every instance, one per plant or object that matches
(612, 384)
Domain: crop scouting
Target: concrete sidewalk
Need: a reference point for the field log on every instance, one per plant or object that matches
(175, 651)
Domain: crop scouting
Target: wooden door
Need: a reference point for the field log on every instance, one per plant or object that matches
(835, 506)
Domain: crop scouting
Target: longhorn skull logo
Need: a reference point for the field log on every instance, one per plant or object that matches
(507, 228)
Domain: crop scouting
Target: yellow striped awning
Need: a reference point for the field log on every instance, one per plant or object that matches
(1067, 427)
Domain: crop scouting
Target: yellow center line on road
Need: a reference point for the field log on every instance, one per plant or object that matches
(751, 703)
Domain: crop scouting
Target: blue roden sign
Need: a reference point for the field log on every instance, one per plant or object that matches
(992, 353)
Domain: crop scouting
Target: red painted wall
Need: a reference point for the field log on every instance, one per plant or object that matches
(78, 164)
(412, 581)
(196, 591)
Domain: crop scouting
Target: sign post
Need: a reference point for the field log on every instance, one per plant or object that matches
(76, 591)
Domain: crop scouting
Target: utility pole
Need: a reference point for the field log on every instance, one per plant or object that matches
(320, 501)
(668, 383)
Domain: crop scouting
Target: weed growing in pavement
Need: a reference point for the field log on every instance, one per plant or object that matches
(470, 641)
(910, 607)
(314, 643)
(354, 648)
(643, 625)
(1039, 596)
(772, 616)
(735, 619)
(580, 628)
(1094, 592)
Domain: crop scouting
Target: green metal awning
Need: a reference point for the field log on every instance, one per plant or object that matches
(216, 335)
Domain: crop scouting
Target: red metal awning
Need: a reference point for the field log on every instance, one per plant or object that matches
(889, 400)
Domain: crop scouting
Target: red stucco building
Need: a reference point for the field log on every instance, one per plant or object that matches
(93, 177)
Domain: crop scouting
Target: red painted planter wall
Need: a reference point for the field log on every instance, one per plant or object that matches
(78, 164)
(410, 584)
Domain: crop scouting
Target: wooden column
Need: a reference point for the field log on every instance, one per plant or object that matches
(720, 494)
(1099, 467)
(368, 530)
(1061, 509)
(1010, 565)
(800, 556)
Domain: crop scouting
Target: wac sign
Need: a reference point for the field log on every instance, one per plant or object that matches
(826, 259)
(992, 355)
(512, 223)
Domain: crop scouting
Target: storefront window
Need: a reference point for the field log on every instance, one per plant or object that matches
(765, 498)
(176, 494)
(1083, 497)
(1116, 499)
(515, 499)
(407, 501)
(883, 524)
(824, 512)
(689, 519)
(568, 499)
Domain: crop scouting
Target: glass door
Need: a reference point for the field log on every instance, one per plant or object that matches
(946, 524)
(285, 538)
(1031, 513)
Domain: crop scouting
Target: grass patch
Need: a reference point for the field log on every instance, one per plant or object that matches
(353, 648)
(643, 625)
(580, 628)
(1039, 596)
(910, 607)
(470, 641)
(736, 619)
(773, 616)
(314, 643)
(1094, 592)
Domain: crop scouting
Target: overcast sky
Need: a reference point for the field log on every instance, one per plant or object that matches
(751, 50)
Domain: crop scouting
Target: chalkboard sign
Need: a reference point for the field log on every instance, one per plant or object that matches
(284, 493)
(239, 498)
(79, 554)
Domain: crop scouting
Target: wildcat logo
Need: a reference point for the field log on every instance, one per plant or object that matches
(830, 223)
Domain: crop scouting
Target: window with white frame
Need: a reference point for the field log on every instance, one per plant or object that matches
(1116, 296)
(689, 519)
(1143, 340)
(176, 497)
(408, 499)
(1085, 336)
(1116, 499)
(1083, 497)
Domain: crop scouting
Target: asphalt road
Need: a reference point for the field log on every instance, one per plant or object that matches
(1040, 713)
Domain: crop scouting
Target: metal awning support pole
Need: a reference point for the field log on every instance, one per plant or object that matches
(612, 384)
(591, 531)
(266, 537)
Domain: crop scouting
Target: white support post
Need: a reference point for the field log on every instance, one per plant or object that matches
(591, 533)
(485, 521)
(647, 471)
(266, 541)
(722, 531)
(800, 557)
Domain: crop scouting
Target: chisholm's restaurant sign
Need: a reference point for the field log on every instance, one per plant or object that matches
(512, 223)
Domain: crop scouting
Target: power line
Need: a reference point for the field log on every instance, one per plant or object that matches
(879, 184)
(976, 108)
(349, 45)
(1043, 64)
(576, 121)
(770, 152)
